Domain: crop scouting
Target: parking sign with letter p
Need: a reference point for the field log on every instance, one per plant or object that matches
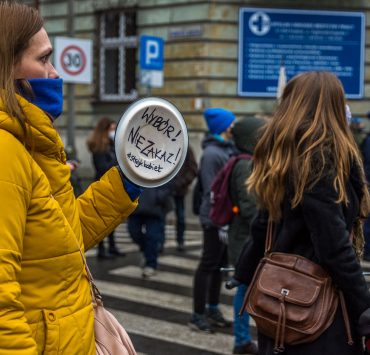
(151, 53)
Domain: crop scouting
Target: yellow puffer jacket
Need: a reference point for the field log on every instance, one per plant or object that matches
(45, 302)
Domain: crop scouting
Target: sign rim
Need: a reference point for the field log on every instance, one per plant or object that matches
(83, 57)
(122, 125)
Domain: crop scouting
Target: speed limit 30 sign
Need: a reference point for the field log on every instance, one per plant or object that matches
(73, 59)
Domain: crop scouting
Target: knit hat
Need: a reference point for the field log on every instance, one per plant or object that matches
(218, 119)
(246, 132)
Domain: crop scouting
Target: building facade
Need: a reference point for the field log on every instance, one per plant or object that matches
(201, 57)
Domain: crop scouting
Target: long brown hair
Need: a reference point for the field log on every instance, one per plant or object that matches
(307, 137)
(18, 24)
(99, 141)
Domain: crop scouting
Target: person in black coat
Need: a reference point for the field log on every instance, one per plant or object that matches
(365, 150)
(218, 147)
(146, 225)
(245, 134)
(181, 183)
(101, 145)
(309, 181)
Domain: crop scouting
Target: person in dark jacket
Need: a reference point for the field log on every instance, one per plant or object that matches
(181, 183)
(366, 158)
(365, 150)
(146, 225)
(309, 181)
(245, 133)
(101, 145)
(217, 148)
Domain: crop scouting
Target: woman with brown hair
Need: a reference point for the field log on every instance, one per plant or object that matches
(101, 145)
(45, 298)
(309, 181)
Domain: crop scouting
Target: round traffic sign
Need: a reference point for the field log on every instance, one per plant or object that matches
(151, 142)
(73, 60)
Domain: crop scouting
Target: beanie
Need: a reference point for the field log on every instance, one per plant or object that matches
(218, 119)
(246, 132)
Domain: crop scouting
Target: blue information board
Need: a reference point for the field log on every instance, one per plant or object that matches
(305, 41)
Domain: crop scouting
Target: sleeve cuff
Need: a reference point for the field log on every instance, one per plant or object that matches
(132, 189)
(364, 323)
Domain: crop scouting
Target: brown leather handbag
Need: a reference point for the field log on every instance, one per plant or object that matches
(292, 299)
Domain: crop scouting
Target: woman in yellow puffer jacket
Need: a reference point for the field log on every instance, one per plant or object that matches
(45, 302)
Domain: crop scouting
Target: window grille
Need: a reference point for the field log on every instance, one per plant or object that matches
(117, 65)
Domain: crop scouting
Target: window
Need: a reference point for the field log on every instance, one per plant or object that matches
(118, 43)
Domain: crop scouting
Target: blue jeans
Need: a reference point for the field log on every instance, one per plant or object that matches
(180, 218)
(162, 239)
(146, 231)
(241, 324)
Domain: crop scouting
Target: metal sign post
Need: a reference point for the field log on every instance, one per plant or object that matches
(71, 149)
(73, 62)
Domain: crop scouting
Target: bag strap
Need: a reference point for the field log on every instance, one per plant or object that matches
(345, 318)
(95, 293)
(268, 241)
(281, 328)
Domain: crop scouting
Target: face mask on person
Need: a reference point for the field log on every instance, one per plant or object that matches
(111, 135)
(48, 95)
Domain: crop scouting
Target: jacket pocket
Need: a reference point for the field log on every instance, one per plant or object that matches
(38, 333)
(51, 332)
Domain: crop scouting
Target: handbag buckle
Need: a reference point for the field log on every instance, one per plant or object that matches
(284, 291)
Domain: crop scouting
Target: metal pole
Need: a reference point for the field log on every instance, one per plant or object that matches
(71, 91)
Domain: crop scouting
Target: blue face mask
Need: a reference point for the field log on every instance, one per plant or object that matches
(48, 95)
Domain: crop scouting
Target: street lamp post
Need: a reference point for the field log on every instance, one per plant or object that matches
(71, 91)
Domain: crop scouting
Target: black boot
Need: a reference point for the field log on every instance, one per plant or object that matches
(102, 253)
(113, 250)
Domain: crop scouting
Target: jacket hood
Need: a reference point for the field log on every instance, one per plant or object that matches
(210, 139)
(245, 133)
(42, 136)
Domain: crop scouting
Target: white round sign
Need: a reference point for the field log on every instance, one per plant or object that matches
(151, 142)
(73, 59)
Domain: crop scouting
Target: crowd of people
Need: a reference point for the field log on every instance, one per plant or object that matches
(303, 182)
